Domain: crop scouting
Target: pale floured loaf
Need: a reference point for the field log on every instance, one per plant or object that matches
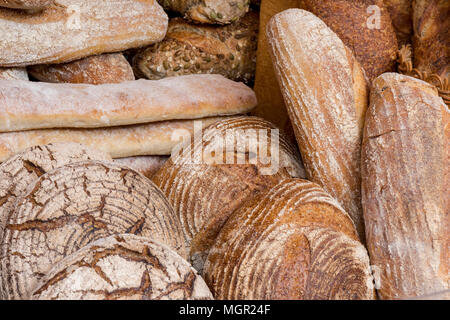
(13, 74)
(147, 165)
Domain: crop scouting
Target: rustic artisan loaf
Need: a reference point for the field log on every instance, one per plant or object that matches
(326, 95)
(364, 26)
(157, 138)
(270, 100)
(213, 174)
(28, 105)
(292, 242)
(26, 4)
(104, 68)
(13, 74)
(74, 29)
(208, 11)
(191, 48)
(69, 207)
(20, 171)
(406, 178)
(123, 267)
(401, 15)
(147, 165)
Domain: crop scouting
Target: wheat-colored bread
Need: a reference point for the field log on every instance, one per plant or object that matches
(208, 11)
(157, 138)
(401, 16)
(191, 48)
(104, 68)
(13, 74)
(123, 267)
(147, 165)
(405, 170)
(292, 242)
(28, 105)
(207, 179)
(355, 22)
(74, 29)
(26, 4)
(326, 95)
(71, 206)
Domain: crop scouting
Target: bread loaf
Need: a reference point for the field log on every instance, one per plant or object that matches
(294, 242)
(147, 165)
(326, 95)
(123, 267)
(190, 48)
(157, 138)
(208, 11)
(270, 100)
(74, 29)
(26, 4)
(364, 26)
(69, 207)
(32, 105)
(20, 171)
(13, 74)
(401, 15)
(405, 170)
(104, 68)
(213, 174)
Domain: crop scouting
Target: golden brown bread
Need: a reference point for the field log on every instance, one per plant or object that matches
(147, 165)
(326, 95)
(292, 242)
(104, 68)
(405, 170)
(191, 48)
(13, 74)
(401, 16)
(355, 22)
(74, 29)
(26, 4)
(224, 171)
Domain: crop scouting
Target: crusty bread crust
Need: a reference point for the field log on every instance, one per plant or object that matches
(26, 4)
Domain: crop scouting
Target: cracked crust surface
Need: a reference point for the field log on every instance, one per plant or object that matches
(68, 208)
(123, 267)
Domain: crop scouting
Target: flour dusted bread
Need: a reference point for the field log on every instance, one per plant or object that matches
(326, 95)
(123, 267)
(157, 138)
(294, 242)
(208, 177)
(13, 74)
(401, 15)
(26, 4)
(71, 206)
(37, 105)
(73, 29)
(147, 165)
(104, 68)
(405, 170)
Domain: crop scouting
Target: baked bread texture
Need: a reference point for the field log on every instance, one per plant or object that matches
(13, 74)
(401, 15)
(26, 4)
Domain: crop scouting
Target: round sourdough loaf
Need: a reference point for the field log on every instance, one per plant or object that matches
(71, 206)
(123, 267)
(292, 242)
(205, 183)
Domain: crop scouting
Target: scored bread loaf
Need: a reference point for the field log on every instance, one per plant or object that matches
(28, 105)
(123, 267)
(147, 165)
(74, 29)
(13, 74)
(326, 95)
(406, 178)
(157, 138)
(213, 174)
(292, 242)
(208, 11)
(26, 4)
(190, 48)
(365, 27)
(401, 15)
(104, 68)
(71, 206)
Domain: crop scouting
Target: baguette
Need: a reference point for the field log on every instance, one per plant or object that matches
(189, 48)
(105, 68)
(13, 74)
(74, 29)
(32, 105)
(326, 95)
(292, 242)
(147, 165)
(26, 4)
(406, 178)
(401, 15)
(118, 142)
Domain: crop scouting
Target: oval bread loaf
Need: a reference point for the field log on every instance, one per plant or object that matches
(123, 267)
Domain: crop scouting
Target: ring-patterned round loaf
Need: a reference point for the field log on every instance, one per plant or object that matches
(21, 170)
(292, 242)
(123, 267)
(205, 184)
(72, 206)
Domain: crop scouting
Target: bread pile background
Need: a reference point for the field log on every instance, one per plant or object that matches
(99, 199)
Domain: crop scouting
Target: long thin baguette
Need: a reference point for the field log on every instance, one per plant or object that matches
(31, 105)
(118, 142)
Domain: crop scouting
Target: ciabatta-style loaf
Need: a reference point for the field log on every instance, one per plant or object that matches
(326, 95)
(406, 178)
